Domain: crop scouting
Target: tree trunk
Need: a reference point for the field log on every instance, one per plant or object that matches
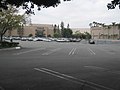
(113, 32)
(108, 33)
(1, 38)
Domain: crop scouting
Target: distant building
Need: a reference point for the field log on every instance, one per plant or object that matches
(106, 32)
(82, 30)
(47, 29)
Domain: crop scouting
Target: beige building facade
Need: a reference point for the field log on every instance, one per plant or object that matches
(111, 32)
(47, 29)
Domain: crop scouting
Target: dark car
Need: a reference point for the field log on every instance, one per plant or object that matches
(91, 42)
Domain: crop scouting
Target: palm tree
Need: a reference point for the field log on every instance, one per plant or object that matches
(119, 30)
(113, 24)
(94, 23)
(103, 26)
(90, 24)
(108, 30)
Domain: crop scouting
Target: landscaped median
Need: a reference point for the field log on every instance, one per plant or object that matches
(4, 45)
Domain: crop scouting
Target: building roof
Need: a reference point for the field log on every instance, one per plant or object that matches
(43, 25)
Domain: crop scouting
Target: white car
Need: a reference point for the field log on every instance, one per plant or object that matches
(30, 39)
(46, 40)
(62, 40)
(37, 39)
(23, 39)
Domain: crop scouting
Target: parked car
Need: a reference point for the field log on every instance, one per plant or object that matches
(62, 40)
(30, 39)
(23, 39)
(74, 40)
(46, 40)
(91, 41)
(37, 39)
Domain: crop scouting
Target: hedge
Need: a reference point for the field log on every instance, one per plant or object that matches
(6, 44)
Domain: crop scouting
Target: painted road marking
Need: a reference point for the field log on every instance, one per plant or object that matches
(49, 73)
(96, 68)
(72, 52)
(28, 51)
(73, 79)
(51, 51)
(102, 69)
(91, 51)
(58, 73)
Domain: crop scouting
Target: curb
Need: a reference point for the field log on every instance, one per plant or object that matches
(13, 48)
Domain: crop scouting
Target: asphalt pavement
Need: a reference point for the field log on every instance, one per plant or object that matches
(60, 66)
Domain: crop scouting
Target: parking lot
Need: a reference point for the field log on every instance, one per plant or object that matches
(60, 66)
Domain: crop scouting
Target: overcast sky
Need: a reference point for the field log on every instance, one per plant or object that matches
(78, 13)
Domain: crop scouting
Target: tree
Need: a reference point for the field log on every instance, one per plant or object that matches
(30, 35)
(29, 8)
(9, 20)
(77, 34)
(67, 33)
(113, 24)
(68, 26)
(87, 35)
(104, 27)
(119, 30)
(90, 24)
(55, 28)
(113, 4)
(108, 27)
(62, 28)
(20, 31)
(57, 35)
(43, 4)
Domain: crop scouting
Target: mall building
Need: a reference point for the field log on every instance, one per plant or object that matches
(47, 29)
(106, 32)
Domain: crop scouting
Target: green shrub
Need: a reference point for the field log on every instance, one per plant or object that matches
(5, 44)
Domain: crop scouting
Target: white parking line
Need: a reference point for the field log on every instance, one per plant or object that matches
(72, 52)
(96, 68)
(51, 51)
(59, 76)
(58, 73)
(73, 79)
(28, 51)
(91, 51)
(49, 73)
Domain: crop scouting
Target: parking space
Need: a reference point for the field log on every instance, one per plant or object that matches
(53, 65)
